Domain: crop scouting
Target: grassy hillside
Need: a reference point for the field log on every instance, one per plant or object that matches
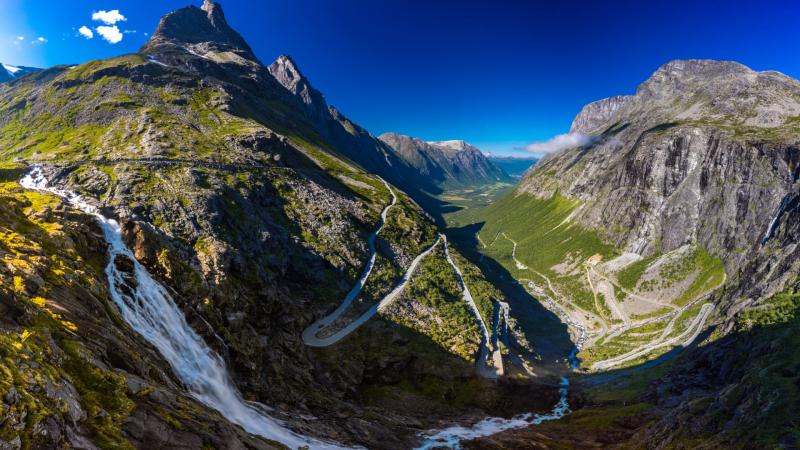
(538, 226)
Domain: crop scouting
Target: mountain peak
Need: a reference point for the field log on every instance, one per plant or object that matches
(285, 70)
(191, 25)
(214, 14)
(702, 67)
(453, 161)
(457, 145)
(286, 66)
(684, 74)
(209, 5)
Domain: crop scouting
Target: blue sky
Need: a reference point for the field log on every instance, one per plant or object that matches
(500, 74)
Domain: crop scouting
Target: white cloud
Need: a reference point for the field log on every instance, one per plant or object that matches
(20, 38)
(129, 32)
(86, 32)
(561, 142)
(39, 40)
(109, 17)
(110, 34)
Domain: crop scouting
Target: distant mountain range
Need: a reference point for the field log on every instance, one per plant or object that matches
(9, 72)
(514, 166)
(446, 162)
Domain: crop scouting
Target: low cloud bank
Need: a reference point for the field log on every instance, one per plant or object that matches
(561, 142)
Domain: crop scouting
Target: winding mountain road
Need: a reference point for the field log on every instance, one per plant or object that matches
(309, 335)
(696, 325)
(483, 355)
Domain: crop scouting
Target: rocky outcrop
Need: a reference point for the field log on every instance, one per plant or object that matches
(597, 113)
(447, 162)
(288, 75)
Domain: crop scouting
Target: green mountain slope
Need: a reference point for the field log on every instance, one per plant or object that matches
(255, 217)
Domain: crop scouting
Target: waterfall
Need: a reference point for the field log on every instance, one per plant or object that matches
(773, 224)
(149, 309)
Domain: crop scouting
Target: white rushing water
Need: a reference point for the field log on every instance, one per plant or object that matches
(451, 437)
(774, 222)
(150, 310)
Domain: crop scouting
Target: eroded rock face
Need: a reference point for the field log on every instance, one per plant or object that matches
(705, 152)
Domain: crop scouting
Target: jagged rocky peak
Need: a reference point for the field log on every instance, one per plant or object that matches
(312, 102)
(285, 70)
(198, 29)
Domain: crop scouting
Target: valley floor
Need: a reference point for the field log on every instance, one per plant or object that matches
(621, 310)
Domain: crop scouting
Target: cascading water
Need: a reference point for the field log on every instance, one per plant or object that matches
(774, 222)
(150, 310)
(451, 437)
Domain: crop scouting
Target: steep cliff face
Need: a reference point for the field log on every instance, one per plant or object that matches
(447, 162)
(705, 152)
(288, 75)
